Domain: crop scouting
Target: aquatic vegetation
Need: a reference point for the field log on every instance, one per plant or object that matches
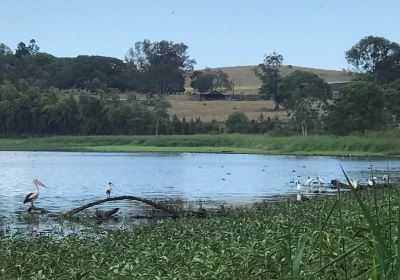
(372, 144)
(330, 237)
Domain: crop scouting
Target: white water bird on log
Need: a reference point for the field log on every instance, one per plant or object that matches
(31, 197)
(109, 189)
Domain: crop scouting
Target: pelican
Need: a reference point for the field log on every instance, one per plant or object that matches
(309, 181)
(298, 185)
(385, 178)
(321, 183)
(109, 189)
(31, 197)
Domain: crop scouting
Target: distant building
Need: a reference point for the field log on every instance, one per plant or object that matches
(212, 95)
(336, 88)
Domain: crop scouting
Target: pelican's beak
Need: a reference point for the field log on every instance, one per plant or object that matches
(37, 182)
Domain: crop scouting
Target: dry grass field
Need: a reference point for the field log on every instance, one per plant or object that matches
(185, 106)
(247, 82)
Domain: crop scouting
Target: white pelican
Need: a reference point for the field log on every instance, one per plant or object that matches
(385, 178)
(109, 189)
(298, 185)
(31, 197)
(354, 184)
(321, 183)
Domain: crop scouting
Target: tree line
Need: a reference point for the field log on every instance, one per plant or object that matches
(26, 110)
(158, 67)
(29, 104)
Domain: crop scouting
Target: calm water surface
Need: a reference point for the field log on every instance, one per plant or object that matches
(74, 179)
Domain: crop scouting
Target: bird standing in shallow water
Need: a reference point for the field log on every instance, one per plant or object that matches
(109, 189)
(31, 197)
(298, 185)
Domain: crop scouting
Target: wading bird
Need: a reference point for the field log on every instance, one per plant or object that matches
(385, 178)
(309, 181)
(31, 197)
(109, 189)
(298, 185)
(321, 183)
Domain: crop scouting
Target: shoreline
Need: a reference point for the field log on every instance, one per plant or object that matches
(374, 146)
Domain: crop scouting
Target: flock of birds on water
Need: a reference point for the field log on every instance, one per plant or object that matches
(309, 184)
(356, 184)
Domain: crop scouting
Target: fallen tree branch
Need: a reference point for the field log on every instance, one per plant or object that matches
(156, 205)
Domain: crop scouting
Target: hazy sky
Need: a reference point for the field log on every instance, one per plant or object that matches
(313, 33)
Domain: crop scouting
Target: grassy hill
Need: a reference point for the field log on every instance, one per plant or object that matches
(247, 82)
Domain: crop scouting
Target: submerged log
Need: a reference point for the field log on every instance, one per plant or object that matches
(156, 205)
(105, 214)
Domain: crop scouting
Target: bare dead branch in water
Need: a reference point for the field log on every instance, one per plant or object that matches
(154, 204)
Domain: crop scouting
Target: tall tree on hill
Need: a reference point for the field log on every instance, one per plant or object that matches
(268, 73)
(303, 94)
(163, 65)
(378, 57)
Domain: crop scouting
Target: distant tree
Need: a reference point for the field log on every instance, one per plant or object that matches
(23, 49)
(376, 56)
(392, 102)
(268, 73)
(202, 80)
(208, 79)
(163, 65)
(5, 50)
(304, 93)
(237, 122)
(359, 108)
(161, 114)
(221, 81)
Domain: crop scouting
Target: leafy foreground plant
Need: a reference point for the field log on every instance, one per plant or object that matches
(326, 238)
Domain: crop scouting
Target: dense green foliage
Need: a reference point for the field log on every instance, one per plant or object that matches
(359, 108)
(28, 111)
(161, 66)
(329, 237)
(158, 67)
(304, 93)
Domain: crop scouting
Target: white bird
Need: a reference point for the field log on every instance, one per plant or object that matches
(370, 182)
(309, 181)
(321, 183)
(109, 189)
(354, 184)
(31, 197)
(298, 185)
(385, 178)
